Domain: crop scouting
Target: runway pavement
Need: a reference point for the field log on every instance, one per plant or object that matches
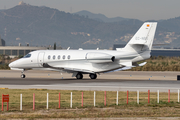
(122, 81)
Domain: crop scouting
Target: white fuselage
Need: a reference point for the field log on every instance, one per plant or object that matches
(77, 59)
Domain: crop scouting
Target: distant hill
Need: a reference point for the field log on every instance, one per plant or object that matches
(43, 26)
(99, 17)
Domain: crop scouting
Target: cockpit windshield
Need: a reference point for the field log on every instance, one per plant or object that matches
(27, 56)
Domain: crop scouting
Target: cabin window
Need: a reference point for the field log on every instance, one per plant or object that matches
(49, 57)
(27, 56)
(64, 56)
(54, 57)
(59, 56)
(69, 56)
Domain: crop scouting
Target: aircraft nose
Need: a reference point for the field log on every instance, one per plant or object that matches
(11, 65)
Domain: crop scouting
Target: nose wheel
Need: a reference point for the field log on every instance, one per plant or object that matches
(23, 75)
(93, 76)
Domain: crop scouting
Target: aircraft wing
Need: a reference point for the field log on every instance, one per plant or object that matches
(46, 65)
(128, 67)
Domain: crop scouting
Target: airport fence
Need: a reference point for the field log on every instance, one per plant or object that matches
(53, 99)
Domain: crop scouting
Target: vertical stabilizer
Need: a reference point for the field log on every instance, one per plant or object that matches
(143, 39)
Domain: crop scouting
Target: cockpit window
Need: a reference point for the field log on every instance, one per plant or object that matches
(27, 56)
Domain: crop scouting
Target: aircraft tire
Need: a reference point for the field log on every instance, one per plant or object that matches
(79, 76)
(93, 76)
(23, 76)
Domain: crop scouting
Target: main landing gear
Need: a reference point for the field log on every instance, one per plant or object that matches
(22, 74)
(93, 76)
(80, 76)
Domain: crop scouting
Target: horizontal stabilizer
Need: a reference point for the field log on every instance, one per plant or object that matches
(142, 64)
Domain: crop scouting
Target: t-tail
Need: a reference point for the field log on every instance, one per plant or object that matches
(143, 39)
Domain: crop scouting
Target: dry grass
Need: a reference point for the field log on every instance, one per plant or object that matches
(160, 63)
(144, 109)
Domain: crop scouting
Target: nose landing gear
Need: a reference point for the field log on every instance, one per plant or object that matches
(22, 74)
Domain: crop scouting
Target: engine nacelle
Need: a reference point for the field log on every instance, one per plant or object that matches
(94, 57)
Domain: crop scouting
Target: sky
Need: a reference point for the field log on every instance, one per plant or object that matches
(136, 9)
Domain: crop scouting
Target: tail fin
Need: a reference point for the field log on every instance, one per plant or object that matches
(143, 39)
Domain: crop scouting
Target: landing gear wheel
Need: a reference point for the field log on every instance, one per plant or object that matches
(93, 76)
(23, 76)
(79, 76)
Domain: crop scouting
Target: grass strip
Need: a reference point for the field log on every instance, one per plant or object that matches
(144, 109)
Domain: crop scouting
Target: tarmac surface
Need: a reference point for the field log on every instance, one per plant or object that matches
(121, 81)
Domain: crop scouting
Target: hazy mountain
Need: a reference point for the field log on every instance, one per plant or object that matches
(99, 17)
(44, 26)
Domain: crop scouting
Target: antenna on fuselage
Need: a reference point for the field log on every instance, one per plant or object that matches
(68, 48)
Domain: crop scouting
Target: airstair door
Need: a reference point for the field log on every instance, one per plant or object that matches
(41, 59)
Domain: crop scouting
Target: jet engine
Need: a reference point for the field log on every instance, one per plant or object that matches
(94, 57)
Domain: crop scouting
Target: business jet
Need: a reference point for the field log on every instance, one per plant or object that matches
(92, 62)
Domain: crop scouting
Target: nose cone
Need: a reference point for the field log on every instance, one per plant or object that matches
(11, 65)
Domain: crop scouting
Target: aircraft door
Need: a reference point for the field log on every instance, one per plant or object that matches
(40, 58)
